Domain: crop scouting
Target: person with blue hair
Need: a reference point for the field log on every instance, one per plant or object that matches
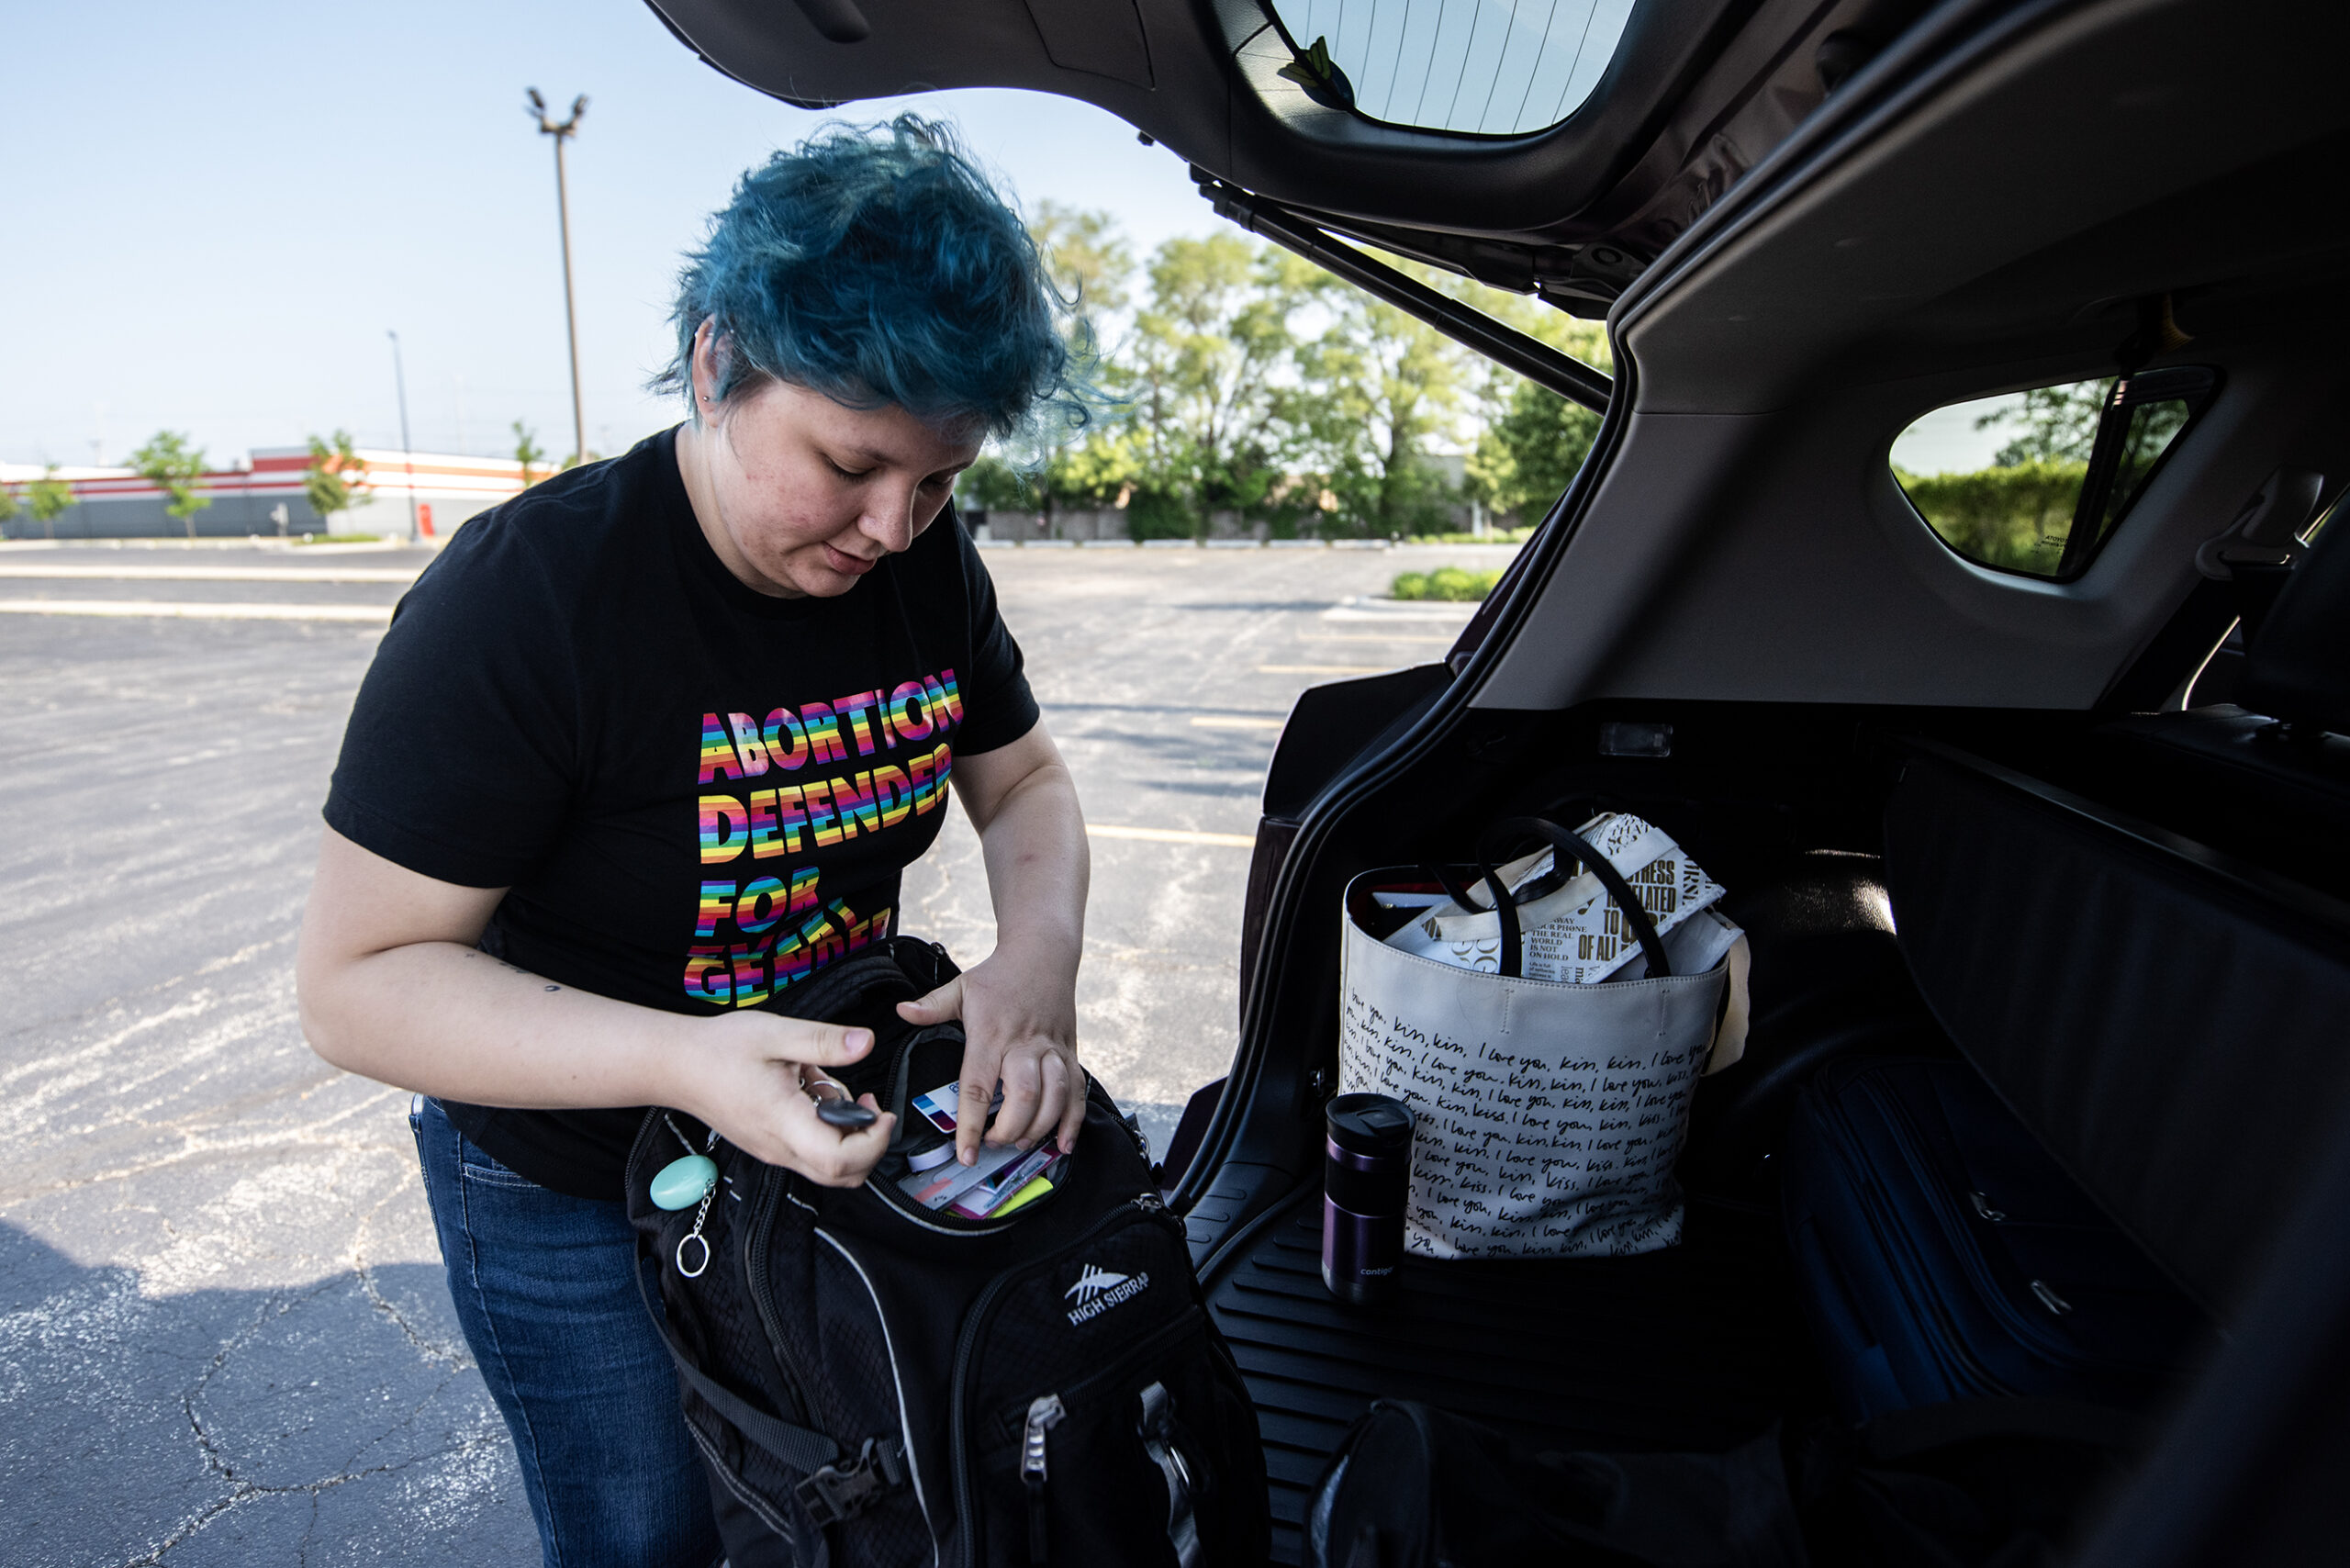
(652, 741)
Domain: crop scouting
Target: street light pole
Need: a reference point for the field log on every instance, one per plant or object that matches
(408, 452)
(563, 133)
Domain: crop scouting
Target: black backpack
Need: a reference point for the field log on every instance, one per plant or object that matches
(872, 1382)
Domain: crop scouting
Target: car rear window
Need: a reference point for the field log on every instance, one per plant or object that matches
(1485, 67)
(2018, 482)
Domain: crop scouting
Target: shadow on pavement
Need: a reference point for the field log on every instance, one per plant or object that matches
(338, 1421)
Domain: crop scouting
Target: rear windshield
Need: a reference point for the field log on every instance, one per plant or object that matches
(1488, 67)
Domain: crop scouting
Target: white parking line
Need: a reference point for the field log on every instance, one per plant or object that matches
(1401, 614)
(166, 610)
(144, 573)
(1171, 835)
(1373, 637)
(1210, 722)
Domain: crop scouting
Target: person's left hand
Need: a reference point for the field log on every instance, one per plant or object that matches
(1019, 1027)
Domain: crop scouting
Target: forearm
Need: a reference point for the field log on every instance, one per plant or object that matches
(1019, 1007)
(392, 986)
(1040, 870)
(452, 1022)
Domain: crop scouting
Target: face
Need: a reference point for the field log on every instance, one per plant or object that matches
(801, 495)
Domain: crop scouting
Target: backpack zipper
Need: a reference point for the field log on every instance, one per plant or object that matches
(958, 1419)
(886, 1188)
(897, 1387)
(754, 1269)
(900, 1102)
(1079, 1395)
(1045, 1413)
(1046, 1410)
(1158, 1429)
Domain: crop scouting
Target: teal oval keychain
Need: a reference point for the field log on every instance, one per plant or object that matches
(690, 1179)
(683, 1181)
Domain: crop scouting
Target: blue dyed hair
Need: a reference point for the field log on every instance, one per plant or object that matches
(878, 265)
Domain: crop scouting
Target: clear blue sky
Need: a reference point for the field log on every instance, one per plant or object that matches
(213, 213)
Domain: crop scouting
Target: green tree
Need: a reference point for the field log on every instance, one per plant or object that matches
(336, 478)
(2015, 515)
(2051, 424)
(172, 463)
(1246, 379)
(1526, 458)
(1058, 463)
(2058, 425)
(8, 506)
(1087, 256)
(991, 484)
(1450, 582)
(1100, 471)
(2017, 511)
(46, 497)
(1532, 439)
(1377, 390)
(1204, 374)
(527, 451)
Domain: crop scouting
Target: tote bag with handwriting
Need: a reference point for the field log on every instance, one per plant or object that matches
(1551, 1114)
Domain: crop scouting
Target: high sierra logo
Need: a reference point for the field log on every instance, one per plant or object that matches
(1098, 1290)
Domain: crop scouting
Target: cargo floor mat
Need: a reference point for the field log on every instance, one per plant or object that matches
(1698, 1347)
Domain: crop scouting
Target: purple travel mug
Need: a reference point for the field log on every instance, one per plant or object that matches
(1366, 1178)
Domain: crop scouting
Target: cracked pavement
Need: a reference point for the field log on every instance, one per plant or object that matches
(224, 1335)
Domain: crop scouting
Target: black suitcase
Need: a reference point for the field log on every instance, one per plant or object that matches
(1944, 1255)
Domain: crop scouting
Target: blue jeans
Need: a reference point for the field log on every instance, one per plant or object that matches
(545, 1289)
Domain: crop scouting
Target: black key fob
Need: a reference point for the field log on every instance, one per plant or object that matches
(846, 1114)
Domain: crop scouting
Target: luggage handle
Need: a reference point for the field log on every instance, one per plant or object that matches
(1563, 845)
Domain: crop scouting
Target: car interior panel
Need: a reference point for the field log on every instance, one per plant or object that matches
(2166, 1008)
(2084, 834)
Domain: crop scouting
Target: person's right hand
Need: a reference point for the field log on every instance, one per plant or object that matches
(743, 1074)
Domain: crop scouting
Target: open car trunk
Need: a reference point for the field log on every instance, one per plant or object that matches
(1951, 810)
(2166, 1020)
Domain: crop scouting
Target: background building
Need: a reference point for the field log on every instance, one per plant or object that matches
(263, 494)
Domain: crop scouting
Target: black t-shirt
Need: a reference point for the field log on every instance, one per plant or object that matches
(696, 793)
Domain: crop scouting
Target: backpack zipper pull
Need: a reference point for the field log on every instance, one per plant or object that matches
(1044, 1413)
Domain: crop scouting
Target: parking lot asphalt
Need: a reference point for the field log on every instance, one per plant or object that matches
(224, 1336)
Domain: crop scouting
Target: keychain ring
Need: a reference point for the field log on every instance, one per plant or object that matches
(820, 1088)
(696, 1271)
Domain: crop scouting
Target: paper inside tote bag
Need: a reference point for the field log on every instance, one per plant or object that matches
(1551, 1113)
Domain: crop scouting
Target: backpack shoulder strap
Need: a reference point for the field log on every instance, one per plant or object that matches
(802, 1448)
